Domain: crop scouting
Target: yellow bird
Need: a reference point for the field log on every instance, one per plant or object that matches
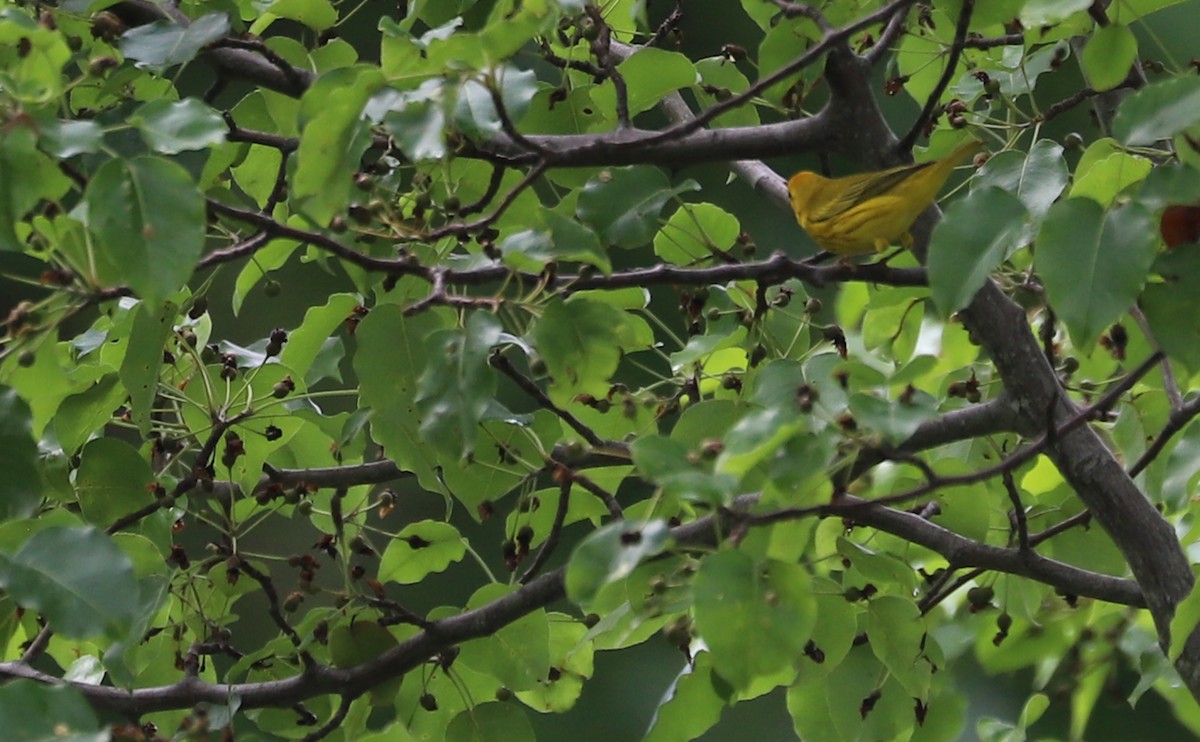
(868, 212)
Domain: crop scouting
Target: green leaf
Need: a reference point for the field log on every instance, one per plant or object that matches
(695, 233)
(611, 554)
(173, 127)
(316, 14)
(333, 140)
(36, 712)
(362, 641)
(1102, 176)
(77, 578)
(719, 77)
(757, 437)
(976, 235)
(755, 617)
(39, 179)
(476, 112)
(20, 487)
(1109, 55)
(623, 204)
(1157, 111)
(649, 75)
(1037, 179)
(897, 635)
(518, 655)
(1172, 306)
(84, 414)
(388, 376)
(1048, 12)
(144, 357)
(166, 43)
(667, 463)
(306, 343)
(691, 706)
(858, 678)
(490, 722)
(417, 122)
(421, 549)
(572, 655)
(580, 344)
(111, 481)
(559, 238)
(895, 420)
(149, 219)
(458, 385)
(1094, 262)
(69, 138)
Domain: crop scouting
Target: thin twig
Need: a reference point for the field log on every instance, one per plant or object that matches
(530, 387)
(1170, 385)
(1018, 511)
(560, 517)
(935, 97)
(333, 723)
(608, 498)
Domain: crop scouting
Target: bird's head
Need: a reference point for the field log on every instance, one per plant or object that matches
(801, 188)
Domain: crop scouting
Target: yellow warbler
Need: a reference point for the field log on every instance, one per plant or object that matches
(868, 212)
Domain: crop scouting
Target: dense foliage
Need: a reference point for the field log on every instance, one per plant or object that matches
(834, 480)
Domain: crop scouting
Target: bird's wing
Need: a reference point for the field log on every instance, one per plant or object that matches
(858, 189)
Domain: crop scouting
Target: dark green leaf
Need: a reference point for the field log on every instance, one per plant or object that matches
(559, 239)
(895, 420)
(755, 617)
(757, 437)
(362, 641)
(456, 389)
(172, 127)
(388, 377)
(490, 722)
(77, 578)
(149, 218)
(976, 235)
(36, 712)
(1158, 110)
(476, 112)
(152, 326)
(1037, 179)
(20, 486)
(418, 122)
(1172, 307)
(166, 43)
(69, 138)
(82, 415)
(623, 204)
(1094, 262)
(611, 554)
(112, 481)
(518, 655)
(579, 343)
(333, 140)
